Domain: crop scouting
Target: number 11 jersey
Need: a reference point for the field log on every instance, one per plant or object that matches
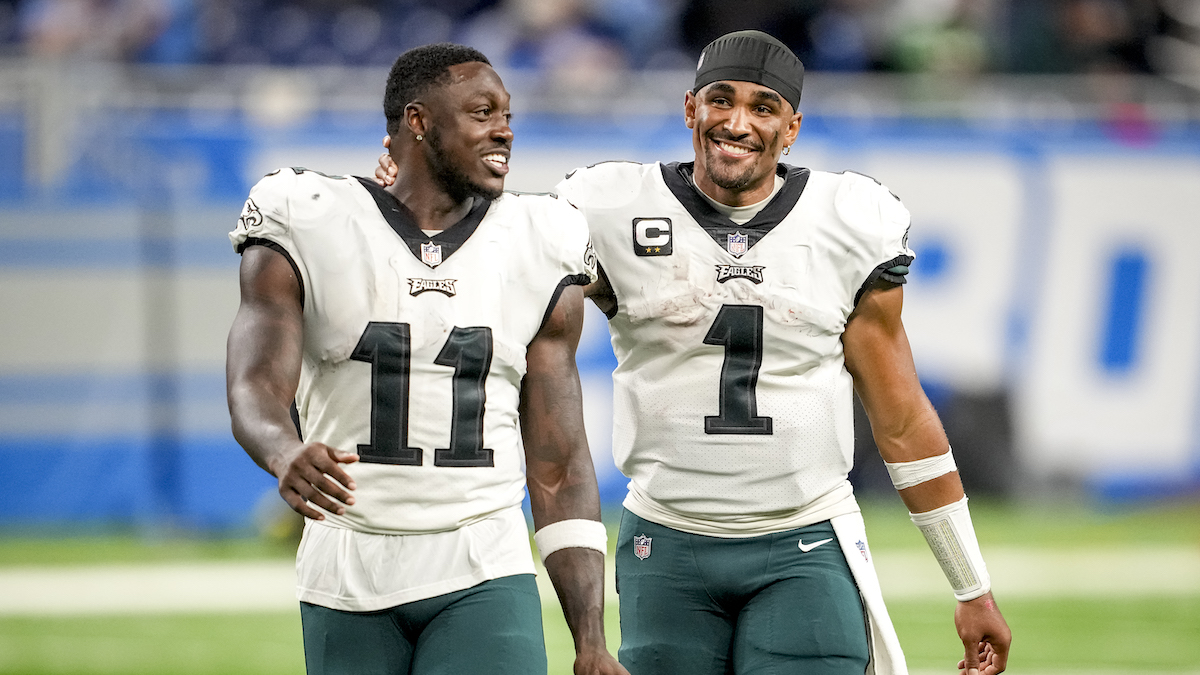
(415, 344)
(732, 406)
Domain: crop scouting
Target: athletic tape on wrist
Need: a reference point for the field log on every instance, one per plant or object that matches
(571, 533)
(908, 474)
(951, 537)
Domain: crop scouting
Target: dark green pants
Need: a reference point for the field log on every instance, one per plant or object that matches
(494, 628)
(697, 605)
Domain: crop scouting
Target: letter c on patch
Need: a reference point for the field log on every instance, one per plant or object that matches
(652, 236)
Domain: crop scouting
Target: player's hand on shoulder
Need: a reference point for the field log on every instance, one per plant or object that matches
(385, 173)
(598, 662)
(985, 636)
(312, 473)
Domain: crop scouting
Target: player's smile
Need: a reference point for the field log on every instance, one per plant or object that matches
(497, 161)
(736, 150)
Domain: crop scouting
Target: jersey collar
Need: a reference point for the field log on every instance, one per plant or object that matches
(401, 220)
(678, 178)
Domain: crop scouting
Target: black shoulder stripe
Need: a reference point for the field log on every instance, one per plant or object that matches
(294, 412)
(569, 280)
(258, 241)
(888, 272)
(610, 310)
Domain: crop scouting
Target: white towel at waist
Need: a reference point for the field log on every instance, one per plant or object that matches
(886, 656)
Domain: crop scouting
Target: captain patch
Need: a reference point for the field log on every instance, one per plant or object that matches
(652, 236)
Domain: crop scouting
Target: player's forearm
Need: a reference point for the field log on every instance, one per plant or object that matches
(908, 431)
(921, 470)
(933, 494)
(572, 542)
(562, 492)
(558, 464)
(932, 491)
(262, 425)
(578, 578)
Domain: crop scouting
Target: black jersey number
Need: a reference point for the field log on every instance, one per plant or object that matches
(738, 328)
(388, 348)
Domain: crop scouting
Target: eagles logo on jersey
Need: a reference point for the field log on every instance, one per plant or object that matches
(419, 286)
(251, 216)
(752, 272)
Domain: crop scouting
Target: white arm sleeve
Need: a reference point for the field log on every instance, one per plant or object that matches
(951, 537)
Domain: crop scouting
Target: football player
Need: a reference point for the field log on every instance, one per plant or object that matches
(748, 300)
(426, 333)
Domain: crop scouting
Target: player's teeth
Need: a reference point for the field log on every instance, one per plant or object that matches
(499, 159)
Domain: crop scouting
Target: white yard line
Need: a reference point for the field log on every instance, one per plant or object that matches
(1108, 572)
(269, 586)
(148, 589)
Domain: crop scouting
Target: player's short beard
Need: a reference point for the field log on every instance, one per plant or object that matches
(454, 182)
(722, 179)
(725, 180)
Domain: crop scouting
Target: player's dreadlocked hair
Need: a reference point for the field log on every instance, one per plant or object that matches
(416, 70)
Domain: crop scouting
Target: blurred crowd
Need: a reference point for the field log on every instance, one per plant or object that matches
(615, 36)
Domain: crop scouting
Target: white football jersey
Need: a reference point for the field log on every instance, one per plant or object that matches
(414, 346)
(732, 405)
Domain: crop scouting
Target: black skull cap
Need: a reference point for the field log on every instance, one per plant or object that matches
(752, 56)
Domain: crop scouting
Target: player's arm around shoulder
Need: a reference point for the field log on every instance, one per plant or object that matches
(911, 440)
(263, 357)
(562, 482)
(574, 235)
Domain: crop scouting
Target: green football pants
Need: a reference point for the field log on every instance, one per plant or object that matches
(494, 628)
(770, 605)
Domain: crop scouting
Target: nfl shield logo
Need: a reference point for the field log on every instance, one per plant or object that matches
(738, 243)
(431, 254)
(641, 546)
(862, 548)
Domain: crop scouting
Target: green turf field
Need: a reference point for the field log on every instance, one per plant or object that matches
(1117, 634)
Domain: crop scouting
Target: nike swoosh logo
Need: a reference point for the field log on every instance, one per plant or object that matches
(808, 547)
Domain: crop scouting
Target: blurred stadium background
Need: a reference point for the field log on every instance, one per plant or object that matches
(1048, 150)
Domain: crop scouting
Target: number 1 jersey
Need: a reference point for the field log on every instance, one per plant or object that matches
(732, 406)
(414, 344)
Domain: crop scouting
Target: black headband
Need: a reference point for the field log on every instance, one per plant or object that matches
(752, 56)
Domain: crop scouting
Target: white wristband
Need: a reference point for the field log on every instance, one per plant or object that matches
(571, 533)
(951, 537)
(908, 474)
